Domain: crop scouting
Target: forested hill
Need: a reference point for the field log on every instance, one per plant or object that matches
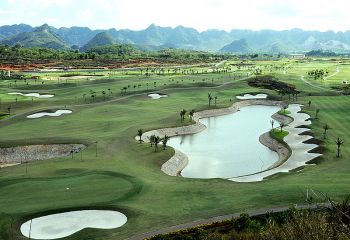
(156, 38)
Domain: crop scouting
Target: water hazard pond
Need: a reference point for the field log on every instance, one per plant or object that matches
(230, 146)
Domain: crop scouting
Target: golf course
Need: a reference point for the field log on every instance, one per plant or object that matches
(112, 170)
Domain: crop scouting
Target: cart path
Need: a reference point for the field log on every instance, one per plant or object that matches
(317, 86)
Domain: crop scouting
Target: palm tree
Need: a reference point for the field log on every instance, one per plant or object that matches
(325, 128)
(285, 108)
(282, 125)
(139, 133)
(152, 139)
(272, 123)
(191, 114)
(339, 143)
(156, 142)
(182, 114)
(165, 141)
(210, 98)
(317, 112)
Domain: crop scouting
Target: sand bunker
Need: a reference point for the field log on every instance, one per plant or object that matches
(50, 114)
(300, 150)
(65, 224)
(250, 96)
(36, 95)
(157, 95)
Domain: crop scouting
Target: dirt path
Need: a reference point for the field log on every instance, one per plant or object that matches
(336, 72)
(218, 219)
(317, 86)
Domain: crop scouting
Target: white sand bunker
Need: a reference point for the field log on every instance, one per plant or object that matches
(250, 96)
(36, 95)
(50, 114)
(157, 95)
(65, 224)
(300, 150)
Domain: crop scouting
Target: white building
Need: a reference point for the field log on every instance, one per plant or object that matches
(297, 56)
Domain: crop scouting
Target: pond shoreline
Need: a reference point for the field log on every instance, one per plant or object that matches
(175, 165)
(297, 154)
(301, 151)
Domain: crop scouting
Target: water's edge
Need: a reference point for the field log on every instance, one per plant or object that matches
(179, 161)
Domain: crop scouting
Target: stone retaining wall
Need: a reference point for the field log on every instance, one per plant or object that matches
(20, 154)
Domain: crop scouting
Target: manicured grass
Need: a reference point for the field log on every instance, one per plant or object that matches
(4, 115)
(126, 175)
(284, 112)
(277, 134)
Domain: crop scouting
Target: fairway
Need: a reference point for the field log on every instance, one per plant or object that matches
(115, 172)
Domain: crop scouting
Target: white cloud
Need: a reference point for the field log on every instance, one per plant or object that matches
(84, 15)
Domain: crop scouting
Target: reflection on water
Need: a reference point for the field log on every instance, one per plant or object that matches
(229, 146)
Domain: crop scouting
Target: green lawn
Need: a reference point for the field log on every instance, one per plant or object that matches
(126, 175)
(278, 134)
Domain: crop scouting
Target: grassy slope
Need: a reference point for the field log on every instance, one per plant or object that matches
(126, 175)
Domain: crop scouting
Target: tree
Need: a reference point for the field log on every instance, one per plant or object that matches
(191, 114)
(325, 128)
(139, 133)
(157, 140)
(124, 89)
(339, 143)
(182, 114)
(151, 139)
(282, 125)
(284, 108)
(317, 112)
(165, 141)
(210, 98)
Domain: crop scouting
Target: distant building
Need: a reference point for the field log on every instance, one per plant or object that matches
(297, 56)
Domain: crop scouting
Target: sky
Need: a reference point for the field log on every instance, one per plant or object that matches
(320, 15)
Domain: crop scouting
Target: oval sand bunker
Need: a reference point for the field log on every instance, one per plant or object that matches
(37, 95)
(52, 114)
(157, 95)
(250, 96)
(65, 224)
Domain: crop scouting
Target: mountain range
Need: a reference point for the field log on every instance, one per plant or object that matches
(156, 37)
